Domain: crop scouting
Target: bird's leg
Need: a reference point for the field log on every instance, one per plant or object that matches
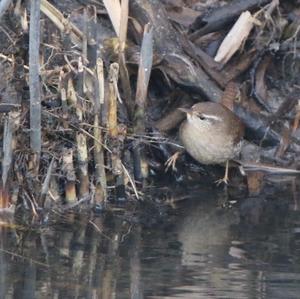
(171, 162)
(225, 179)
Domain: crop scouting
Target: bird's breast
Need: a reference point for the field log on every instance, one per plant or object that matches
(207, 146)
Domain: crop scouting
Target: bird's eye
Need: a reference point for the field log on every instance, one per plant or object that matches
(201, 117)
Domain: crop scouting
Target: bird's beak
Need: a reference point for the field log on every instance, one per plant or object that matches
(188, 111)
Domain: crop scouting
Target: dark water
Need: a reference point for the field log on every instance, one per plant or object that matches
(196, 248)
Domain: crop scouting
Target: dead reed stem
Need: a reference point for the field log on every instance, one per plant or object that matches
(69, 173)
(113, 131)
(112, 101)
(34, 78)
(145, 66)
(100, 174)
(81, 140)
(124, 75)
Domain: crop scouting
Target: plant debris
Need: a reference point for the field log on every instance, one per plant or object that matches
(90, 91)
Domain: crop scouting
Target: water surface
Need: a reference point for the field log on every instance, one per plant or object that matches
(197, 247)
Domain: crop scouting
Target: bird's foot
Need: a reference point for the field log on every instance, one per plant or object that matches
(171, 162)
(224, 181)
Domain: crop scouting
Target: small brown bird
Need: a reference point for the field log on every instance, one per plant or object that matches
(212, 134)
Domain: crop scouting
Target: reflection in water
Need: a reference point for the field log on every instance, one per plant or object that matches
(192, 250)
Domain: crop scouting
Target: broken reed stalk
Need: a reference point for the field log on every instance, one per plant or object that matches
(34, 79)
(7, 148)
(63, 24)
(82, 158)
(53, 194)
(82, 152)
(69, 174)
(124, 75)
(81, 141)
(11, 124)
(100, 174)
(100, 180)
(113, 132)
(68, 159)
(145, 66)
(46, 183)
(112, 101)
(235, 37)
(96, 67)
(71, 96)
